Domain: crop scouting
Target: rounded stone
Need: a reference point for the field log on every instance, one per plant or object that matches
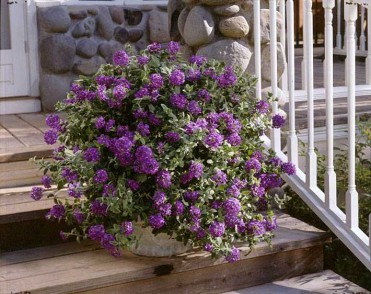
(86, 48)
(121, 35)
(218, 2)
(265, 27)
(266, 62)
(135, 35)
(117, 14)
(133, 17)
(105, 26)
(226, 10)
(78, 14)
(199, 28)
(175, 7)
(55, 19)
(182, 20)
(84, 28)
(158, 26)
(106, 51)
(281, 96)
(57, 53)
(231, 52)
(234, 27)
(53, 88)
(88, 66)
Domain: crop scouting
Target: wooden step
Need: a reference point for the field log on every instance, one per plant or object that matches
(324, 282)
(85, 268)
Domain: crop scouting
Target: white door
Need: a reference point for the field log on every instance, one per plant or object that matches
(14, 80)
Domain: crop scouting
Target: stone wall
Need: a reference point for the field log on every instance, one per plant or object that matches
(77, 40)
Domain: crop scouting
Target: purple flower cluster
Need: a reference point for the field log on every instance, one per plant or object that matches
(98, 233)
(213, 140)
(74, 190)
(179, 101)
(256, 228)
(46, 181)
(109, 190)
(172, 137)
(36, 193)
(173, 47)
(145, 163)
(253, 164)
(56, 212)
(262, 107)
(220, 178)
(133, 185)
(127, 228)
(157, 81)
(156, 221)
(177, 77)
(50, 137)
(91, 154)
(217, 229)
(70, 175)
(227, 78)
(121, 58)
(288, 168)
(53, 121)
(198, 60)
(154, 47)
(233, 256)
(98, 208)
(163, 179)
(232, 206)
(278, 121)
(79, 216)
(101, 176)
(191, 196)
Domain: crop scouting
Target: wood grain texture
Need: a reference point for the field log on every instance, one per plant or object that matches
(63, 270)
(20, 173)
(37, 120)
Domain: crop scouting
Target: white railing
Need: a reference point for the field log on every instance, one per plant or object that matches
(324, 204)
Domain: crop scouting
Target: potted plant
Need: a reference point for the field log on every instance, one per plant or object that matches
(171, 145)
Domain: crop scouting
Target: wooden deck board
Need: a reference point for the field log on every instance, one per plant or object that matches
(8, 141)
(37, 120)
(65, 269)
(23, 131)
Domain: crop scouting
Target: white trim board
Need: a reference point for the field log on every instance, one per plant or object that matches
(20, 105)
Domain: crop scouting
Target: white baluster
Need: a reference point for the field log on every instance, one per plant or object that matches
(311, 158)
(350, 15)
(304, 61)
(293, 139)
(330, 177)
(338, 34)
(257, 47)
(282, 10)
(368, 59)
(275, 134)
(362, 38)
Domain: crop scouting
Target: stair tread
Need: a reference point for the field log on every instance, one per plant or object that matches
(324, 282)
(72, 267)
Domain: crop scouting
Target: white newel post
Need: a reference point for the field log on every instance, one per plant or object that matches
(350, 15)
(275, 133)
(293, 139)
(330, 177)
(311, 158)
(257, 49)
(368, 59)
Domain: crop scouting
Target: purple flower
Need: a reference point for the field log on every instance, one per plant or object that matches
(69, 175)
(232, 206)
(101, 176)
(123, 144)
(230, 220)
(163, 179)
(36, 193)
(50, 137)
(270, 180)
(143, 129)
(253, 164)
(143, 152)
(234, 139)
(191, 196)
(96, 232)
(216, 204)
(159, 199)
(191, 128)
(196, 169)
(258, 155)
(270, 224)
(154, 47)
(172, 137)
(104, 140)
(173, 47)
(142, 60)
(241, 226)
(154, 120)
(46, 181)
(74, 190)
(275, 161)
(256, 227)
(193, 75)
(257, 191)
(147, 166)
(194, 108)
(109, 125)
(198, 60)
(53, 121)
(213, 140)
(119, 92)
(208, 247)
(201, 123)
(156, 221)
(142, 92)
(56, 212)
(133, 185)
(127, 228)
(178, 208)
(120, 58)
(200, 234)
(234, 191)
(157, 81)
(79, 216)
(177, 77)
(217, 229)
(220, 178)
(262, 107)
(227, 79)
(240, 184)
(165, 209)
(91, 154)
(107, 242)
(233, 256)
(109, 190)
(204, 95)
(278, 121)
(179, 101)
(98, 208)
(288, 168)
(100, 123)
